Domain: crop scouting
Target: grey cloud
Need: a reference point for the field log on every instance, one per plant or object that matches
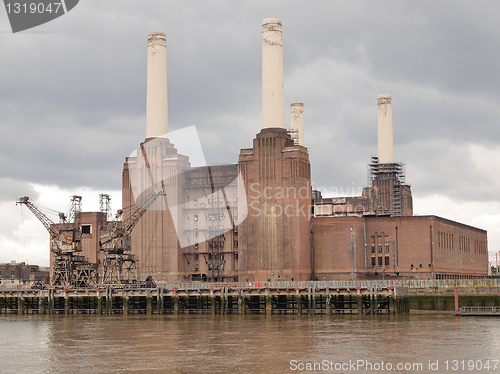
(73, 103)
(11, 190)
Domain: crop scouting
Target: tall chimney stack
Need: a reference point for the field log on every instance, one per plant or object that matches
(273, 93)
(385, 137)
(157, 100)
(297, 123)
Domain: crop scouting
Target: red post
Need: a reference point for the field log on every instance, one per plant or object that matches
(456, 300)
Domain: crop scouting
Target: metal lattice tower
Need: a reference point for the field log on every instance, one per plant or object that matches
(105, 205)
(75, 208)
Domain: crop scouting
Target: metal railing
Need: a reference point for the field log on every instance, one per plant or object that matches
(479, 310)
(412, 283)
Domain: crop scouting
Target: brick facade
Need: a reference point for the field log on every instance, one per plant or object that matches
(419, 247)
(275, 238)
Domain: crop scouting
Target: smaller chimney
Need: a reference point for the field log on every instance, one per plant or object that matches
(385, 135)
(297, 123)
(156, 97)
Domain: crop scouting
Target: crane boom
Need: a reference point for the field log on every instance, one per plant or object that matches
(119, 232)
(68, 267)
(134, 218)
(46, 221)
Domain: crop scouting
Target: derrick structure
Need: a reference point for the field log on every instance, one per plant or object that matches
(213, 230)
(120, 266)
(69, 268)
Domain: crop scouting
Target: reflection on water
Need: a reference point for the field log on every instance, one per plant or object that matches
(240, 344)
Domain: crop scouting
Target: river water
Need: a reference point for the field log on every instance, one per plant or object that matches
(423, 343)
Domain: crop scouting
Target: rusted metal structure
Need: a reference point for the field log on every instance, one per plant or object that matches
(214, 242)
(69, 268)
(119, 264)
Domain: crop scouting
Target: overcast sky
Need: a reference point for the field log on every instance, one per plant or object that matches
(73, 98)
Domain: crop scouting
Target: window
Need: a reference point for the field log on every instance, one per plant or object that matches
(380, 249)
(380, 261)
(235, 199)
(196, 246)
(196, 216)
(387, 260)
(222, 267)
(236, 256)
(86, 229)
(373, 261)
(210, 267)
(373, 248)
(196, 267)
(196, 257)
(235, 215)
(216, 267)
(387, 248)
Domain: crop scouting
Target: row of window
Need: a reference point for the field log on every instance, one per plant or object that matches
(214, 267)
(215, 256)
(386, 248)
(445, 240)
(464, 243)
(380, 260)
(215, 216)
(216, 244)
(480, 247)
(216, 200)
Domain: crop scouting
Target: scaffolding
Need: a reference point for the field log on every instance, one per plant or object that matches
(379, 171)
(394, 172)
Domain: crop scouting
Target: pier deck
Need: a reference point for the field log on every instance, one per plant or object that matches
(484, 311)
(210, 298)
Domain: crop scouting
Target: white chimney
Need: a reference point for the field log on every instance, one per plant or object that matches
(273, 93)
(297, 123)
(385, 137)
(157, 100)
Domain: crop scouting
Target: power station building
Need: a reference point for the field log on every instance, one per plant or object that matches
(259, 220)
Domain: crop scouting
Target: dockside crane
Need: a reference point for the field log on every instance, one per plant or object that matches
(119, 266)
(69, 269)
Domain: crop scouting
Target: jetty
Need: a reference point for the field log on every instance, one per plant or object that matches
(211, 298)
(483, 311)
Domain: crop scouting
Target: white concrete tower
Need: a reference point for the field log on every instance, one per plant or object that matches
(385, 135)
(157, 99)
(297, 123)
(273, 92)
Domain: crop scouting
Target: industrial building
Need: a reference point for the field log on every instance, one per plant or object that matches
(259, 220)
(18, 273)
